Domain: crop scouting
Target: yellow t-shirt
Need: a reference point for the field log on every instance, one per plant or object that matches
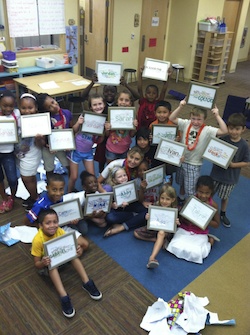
(37, 249)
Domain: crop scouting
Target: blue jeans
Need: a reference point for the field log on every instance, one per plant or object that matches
(8, 162)
(127, 217)
(81, 226)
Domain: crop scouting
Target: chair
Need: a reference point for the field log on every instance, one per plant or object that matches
(234, 104)
(74, 100)
(131, 73)
(177, 68)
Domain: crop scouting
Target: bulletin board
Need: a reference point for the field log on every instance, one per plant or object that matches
(33, 18)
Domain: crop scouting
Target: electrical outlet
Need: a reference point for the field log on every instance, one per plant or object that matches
(2, 39)
(132, 36)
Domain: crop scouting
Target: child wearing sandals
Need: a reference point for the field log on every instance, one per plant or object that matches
(48, 230)
(167, 198)
(84, 142)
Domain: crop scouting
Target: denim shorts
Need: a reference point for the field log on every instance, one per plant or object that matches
(76, 156)
(112, 156)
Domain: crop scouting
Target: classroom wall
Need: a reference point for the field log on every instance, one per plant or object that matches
(123, 23)
(181, 34)
(242, 54)
(71, 12)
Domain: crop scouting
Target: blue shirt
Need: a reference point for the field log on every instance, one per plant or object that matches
(41, 203)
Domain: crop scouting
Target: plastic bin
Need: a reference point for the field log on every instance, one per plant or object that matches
(207, 26)
(9, 55)
(45, 62)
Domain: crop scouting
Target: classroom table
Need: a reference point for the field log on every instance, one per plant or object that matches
(67, 82)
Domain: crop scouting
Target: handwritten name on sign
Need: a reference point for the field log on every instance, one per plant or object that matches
(98, 204)
(202, 96)
(170, 151)
(218, 152)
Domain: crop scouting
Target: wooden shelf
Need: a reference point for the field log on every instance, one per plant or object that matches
(211, 57)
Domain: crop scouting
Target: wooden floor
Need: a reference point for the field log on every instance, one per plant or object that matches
(29, 303)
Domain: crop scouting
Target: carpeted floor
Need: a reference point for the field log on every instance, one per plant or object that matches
(173, 274)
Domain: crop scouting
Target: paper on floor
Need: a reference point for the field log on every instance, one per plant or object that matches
(23, 233)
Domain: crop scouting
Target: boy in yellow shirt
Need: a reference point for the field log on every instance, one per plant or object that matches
(49, 229)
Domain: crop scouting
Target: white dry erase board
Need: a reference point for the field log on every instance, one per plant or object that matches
(33, 18)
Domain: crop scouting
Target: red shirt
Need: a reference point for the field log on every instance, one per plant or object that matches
(146, 112)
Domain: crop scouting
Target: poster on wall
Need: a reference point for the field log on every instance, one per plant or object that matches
(71, 44)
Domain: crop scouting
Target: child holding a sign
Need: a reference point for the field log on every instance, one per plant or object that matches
(7, 156)
(119, 141)
(49, 229)
(122, 217)
(195, 134)
(147, 102)
(190, 242)
(84, 142)
(28, 152)
(54, 195)
(60, 119)
(226, 180)
(167, 198)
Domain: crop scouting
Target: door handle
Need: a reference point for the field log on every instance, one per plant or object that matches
(143, 40)
(86, 38)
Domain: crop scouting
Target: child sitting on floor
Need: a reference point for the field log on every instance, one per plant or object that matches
(191, 242)
(122, 217)
(167, 198)
(48, 230)
(54, 195)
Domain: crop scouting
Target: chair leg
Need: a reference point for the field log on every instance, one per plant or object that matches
(177, 75)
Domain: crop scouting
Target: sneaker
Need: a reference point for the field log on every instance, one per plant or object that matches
(29, 204)
(92, 290)
(6, 206)
(226, 223)
(67, 308)
(25, 203)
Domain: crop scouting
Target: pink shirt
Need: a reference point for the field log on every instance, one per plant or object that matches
(118, 144)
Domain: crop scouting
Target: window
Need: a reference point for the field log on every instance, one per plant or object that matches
(34, 25)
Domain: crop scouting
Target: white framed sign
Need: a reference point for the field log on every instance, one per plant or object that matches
(8, 130)
(201, 95)
(98, 202)
(61, 249)
(109, 73)
(170, 152)
(155, 176)
(61, 139)
(219, 152)
(34, 124)
(121, 117)
(68, 211)
(162, 218)
(163, 131)
(93, 123)
(125, 192)
(198, 212)
(156, 69)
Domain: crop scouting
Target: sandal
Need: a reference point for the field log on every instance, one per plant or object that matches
(153, 264)
(108, 232)
(113, 230)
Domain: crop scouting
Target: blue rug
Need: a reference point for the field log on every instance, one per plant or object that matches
(174, 274)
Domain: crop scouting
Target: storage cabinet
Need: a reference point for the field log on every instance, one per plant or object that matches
(211, 56)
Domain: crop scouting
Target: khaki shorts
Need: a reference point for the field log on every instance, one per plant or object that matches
(49, 158)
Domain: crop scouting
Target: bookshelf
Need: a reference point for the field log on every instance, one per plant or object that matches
(211, 57)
